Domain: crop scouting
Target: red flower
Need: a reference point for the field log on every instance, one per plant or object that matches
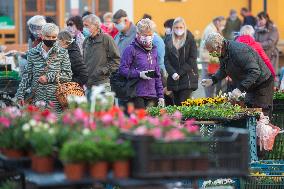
(141, 113)
(32, 108)
(45, 113)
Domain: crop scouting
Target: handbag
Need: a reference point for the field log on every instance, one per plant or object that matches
(65, 89)
(123, 87)
(193, 80)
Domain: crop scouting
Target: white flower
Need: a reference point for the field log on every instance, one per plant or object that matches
(36, 129)
(26, 127)
(86, 131)
(206, 183)
(33, 122)
(45, 126)
(51, 131)
(40, 104)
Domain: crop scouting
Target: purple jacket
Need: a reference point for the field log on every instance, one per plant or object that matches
(145, 60)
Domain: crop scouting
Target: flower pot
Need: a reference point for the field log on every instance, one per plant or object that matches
(213, 67)
(74, 171)
(98, 170)
(42, 164)
(12, 153)
(121, 169)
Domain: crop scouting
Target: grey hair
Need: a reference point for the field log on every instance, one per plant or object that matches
(49, 29)
(93, 19)
(214, 40)
(65, 36)
(145, 25)
(247, 30)
(107, 15)
(37, 20)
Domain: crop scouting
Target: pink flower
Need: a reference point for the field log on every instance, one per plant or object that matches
(166, 122)
(174, 134)
(154, 121)
(51, 118)
(5, 121)
(67, 118)
(192, 129)
(133, 119)
(177, 115)
(140, 131)
(107, 119)
(79, 114)
(156, 132)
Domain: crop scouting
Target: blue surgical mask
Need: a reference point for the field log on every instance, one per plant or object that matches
(120, 26)
(86, 32)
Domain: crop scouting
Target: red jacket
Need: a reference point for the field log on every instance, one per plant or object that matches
(112, 33)
(247, 39)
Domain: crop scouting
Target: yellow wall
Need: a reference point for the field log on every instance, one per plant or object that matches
(198, 13)
(274, 11)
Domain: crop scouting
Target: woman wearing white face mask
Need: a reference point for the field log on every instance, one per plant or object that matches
(180, 62)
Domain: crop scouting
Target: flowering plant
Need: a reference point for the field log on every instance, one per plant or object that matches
(218, 182)
(202, 101)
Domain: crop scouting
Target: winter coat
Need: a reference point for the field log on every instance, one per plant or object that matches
(101, 56)
(182, 62)
(268, 38)
(203, 53)
(136, 59)
(231, 27)
(159, 43)
(57, 62)
(243, 65)
(79, 68)
(247, 39)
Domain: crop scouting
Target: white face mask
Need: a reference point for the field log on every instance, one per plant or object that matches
(120, 26)
(179, 32)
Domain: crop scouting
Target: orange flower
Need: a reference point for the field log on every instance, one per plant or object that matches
(141, 113)
(163, 111)
(130, 108)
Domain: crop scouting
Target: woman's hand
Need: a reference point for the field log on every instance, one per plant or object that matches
(42, 79)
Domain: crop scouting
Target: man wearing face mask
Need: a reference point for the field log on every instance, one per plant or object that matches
(246, 69)
(127, 30)
(233, 24)
(100, 53)
(217, 25)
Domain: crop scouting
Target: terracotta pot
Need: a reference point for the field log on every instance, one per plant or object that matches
(74, 171)
(121, 169)
(42, 164)
(12, 153)
(98, 170)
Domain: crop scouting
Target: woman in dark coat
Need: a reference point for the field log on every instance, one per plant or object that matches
(79, 68)
(180, 62)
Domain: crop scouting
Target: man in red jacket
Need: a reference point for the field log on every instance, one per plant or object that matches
(246, 36)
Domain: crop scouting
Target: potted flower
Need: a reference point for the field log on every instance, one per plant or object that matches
(102, 152)
(122, 153)
(42, 138)
(12, 139)
(219, 183)
(75, 154)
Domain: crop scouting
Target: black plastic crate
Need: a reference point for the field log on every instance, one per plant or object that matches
(9, 86)
(263, 182)
(278, 105)
(12, 179)
(224, 154)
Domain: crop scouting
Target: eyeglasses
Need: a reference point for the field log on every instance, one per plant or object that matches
(70, 24)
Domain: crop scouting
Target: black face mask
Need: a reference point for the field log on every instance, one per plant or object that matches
(49, 43)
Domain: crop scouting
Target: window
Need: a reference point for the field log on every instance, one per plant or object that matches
(7, 19)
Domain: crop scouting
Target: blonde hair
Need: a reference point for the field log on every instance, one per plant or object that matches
(145, 25)
(179, 43)
(107, 15)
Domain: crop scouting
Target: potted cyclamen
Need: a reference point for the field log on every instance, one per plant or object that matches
(41, 137)
(122, 153)
(75, 154)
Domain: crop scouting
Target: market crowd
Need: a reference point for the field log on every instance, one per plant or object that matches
(163, 71)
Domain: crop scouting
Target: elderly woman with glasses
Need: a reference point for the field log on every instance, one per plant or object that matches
(47, 63)
(75, 27)
(139, 61)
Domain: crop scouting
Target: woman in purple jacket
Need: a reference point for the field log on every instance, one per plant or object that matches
(139, 60)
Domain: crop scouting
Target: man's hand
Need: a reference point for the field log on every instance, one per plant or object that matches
(207, 82)
(175, 76)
